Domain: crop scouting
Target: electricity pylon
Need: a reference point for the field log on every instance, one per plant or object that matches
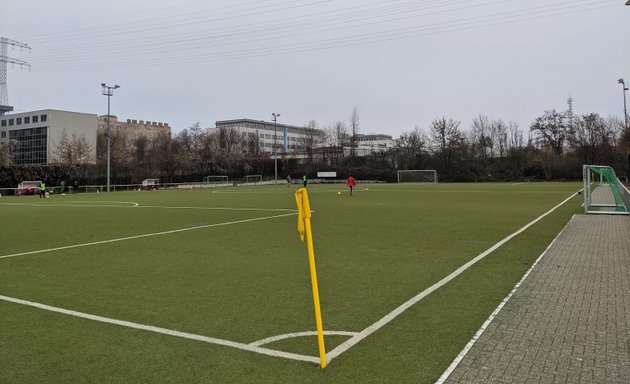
(4, 59)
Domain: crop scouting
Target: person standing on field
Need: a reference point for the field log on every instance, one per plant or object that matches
(351, 183)
(288, 181)
(42, 190)
(304, 180)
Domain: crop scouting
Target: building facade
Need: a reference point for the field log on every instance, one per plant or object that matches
(373, 144)
(131, 130)
(289, 139)
(37, 133)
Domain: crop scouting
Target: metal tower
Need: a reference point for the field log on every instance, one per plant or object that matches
(4, 59)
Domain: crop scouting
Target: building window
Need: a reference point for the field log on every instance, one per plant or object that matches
(31, 145)
(27, 120)
(11, 121)
(43, 118)
(4, 134)
(18, 121)
(35, 119)
(4, 123)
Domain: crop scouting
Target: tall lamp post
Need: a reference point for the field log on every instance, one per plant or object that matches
(275, 145)
(109, 92)
(625, 111)
(625, 114)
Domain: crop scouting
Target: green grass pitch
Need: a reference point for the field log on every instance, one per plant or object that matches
(227, 264)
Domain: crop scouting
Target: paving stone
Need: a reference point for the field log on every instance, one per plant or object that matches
(569, 322)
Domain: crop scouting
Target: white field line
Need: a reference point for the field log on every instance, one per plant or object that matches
(147, 235)
(299, 334)
(91, 204)
(494, 314)
(137, 205)
(223, 208)
(402, 308)
(170, 332)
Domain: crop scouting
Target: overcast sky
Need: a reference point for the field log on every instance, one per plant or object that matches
(402, 63)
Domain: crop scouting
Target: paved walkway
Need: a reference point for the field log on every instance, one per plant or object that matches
(569, 321)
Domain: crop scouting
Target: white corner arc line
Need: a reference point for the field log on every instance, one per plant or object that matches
(165, 331)
(299, 334)
(343, 347)
(494, 314)
(147, 235)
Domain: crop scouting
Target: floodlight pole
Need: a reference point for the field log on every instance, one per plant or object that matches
(275, 145)
(625, 110)
(109, 92)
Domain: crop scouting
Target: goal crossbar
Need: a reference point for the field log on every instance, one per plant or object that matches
(417, 176)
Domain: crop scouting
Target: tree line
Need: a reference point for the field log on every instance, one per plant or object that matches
(555, 146)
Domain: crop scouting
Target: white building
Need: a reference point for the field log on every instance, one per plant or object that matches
(287, 138)
(38, 132)
(373, 143)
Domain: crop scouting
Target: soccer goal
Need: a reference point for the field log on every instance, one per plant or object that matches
(150, 184)
(603, 191)
(207, 180)
(417, 176)
(249, 179)
(28, 188)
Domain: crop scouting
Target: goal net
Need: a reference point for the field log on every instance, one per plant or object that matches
(603, 191)
(215, 180)
(252, 179)
(417, 176)
(28, 187)
(150, 183)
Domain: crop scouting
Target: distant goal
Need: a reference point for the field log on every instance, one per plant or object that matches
(217, 179)
(418, 176)
(252, 179)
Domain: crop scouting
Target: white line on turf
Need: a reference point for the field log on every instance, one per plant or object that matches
(494, 314)
(402, 308)
(222, 208)
(82, 204)
(137, 205)
(147, 235)
(165, 331)
(299, 334)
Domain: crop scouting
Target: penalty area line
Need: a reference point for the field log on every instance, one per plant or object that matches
(147, 235)
(409, 303)
(165, 331)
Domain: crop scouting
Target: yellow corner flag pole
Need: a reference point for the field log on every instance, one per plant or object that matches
(304, 226)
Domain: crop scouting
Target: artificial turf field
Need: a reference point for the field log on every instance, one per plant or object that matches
(226, 266)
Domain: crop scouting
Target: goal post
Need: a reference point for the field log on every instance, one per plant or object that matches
(603, 191)
(417, 176)
(250, 179)
(148, 184)
(216, 179)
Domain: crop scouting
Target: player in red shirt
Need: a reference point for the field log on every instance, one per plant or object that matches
(351, 183)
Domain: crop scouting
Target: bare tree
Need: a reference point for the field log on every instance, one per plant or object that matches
(446, 139)
(551, 128)
(515, 136)
(310, 141)
(7, 153)
(481, 138)
(354, 131)
(411, 145)
(590, 138)
(71, 150)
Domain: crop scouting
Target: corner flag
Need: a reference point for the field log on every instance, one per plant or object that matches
(304, 227)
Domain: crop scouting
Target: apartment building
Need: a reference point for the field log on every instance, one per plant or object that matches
(36, 133)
